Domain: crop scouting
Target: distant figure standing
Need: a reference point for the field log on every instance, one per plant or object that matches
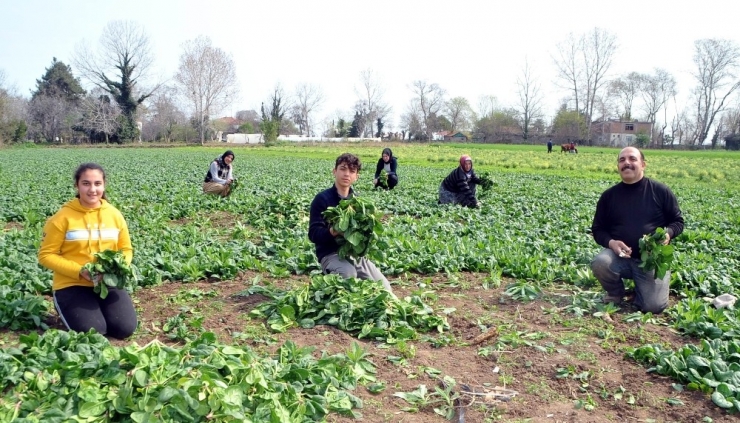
(549, 146)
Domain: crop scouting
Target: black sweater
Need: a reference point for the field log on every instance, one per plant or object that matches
(381, 165)
(625, 212)
(318, 227)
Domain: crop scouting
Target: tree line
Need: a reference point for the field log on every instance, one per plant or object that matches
(126, 104)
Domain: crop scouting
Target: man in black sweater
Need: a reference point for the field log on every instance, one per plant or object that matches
(624, 213)
(346, 171)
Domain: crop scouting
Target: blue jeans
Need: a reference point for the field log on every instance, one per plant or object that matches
(651, 295)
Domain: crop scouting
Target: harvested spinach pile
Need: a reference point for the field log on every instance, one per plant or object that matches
(655, 255)
(363, 308)
(359, 223)
(116, 272)
(72, 376)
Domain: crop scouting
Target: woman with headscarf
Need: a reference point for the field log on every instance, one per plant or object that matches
(459, 186)
(386, 163)
(220, 175)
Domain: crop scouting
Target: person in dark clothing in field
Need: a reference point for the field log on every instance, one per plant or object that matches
(460, 185)
(624, 213)
(389, 164)
(346, 171)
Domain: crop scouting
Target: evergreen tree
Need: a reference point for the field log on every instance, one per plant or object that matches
(59, 82)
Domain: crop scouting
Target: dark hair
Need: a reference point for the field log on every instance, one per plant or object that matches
(387, 151)
(85, 167)
(228, 153)
(352, 161)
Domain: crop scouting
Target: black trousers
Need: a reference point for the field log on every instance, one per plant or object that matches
(81, 309)
(392, 181)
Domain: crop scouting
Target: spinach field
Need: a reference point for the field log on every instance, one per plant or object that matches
(498, 316)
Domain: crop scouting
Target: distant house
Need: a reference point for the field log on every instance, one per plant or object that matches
(440, 136)
(457, 136)
(618, 133)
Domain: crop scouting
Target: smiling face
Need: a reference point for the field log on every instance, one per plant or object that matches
(386, 158)
(631, 165)
(90, 188)
(228, 159)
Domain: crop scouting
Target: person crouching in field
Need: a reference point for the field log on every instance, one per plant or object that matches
(460, 185)
(346, 171)
(86, 225)
(389, 164)
(624, 213)
(220, 175)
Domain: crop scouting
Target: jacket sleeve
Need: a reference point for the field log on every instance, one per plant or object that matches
(50, 251)
(214, 173)
(318, 227)
(673, 215)
(394, 165)
(474, 178)
(378, 168)
(600, 226)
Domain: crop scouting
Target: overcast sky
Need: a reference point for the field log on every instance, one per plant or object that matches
(470, 48)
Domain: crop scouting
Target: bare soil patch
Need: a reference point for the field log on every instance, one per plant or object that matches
(555, 361)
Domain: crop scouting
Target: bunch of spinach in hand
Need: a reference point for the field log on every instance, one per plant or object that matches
(111, 265)
(485, 181)
(656, 255)
(358, 222)
(383, 179)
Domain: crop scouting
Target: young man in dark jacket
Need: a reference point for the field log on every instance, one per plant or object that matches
(346, 171)
(624, 213)
(460, 185)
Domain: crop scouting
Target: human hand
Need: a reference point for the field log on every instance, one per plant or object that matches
(334, 233)
(85, 274)
(620, 248)
(375, 181)
(667, 239)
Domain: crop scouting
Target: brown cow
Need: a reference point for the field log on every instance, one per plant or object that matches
(568, 148)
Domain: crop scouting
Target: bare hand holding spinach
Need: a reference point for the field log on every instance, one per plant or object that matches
(358, 223)
(110, 269)
(655, 253)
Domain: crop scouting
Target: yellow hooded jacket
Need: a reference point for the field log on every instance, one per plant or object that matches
(75, 233)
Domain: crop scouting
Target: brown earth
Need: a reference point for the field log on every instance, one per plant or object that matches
(537, 340)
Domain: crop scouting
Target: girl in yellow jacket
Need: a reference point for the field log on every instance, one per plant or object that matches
(82, 227)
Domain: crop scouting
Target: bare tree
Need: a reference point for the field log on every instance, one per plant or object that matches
(717, 65)
(308, 99)
(51, 117)
(100, 115)
(370, 94)
(656, 90)
(569, 67)
(412, 120)
(625, 89)
(120, 66)
(530, 99)
(163, 116)
(207, 78)
(486, 105)
(430, 98)
(459, 113)
(583, 63)
(599, 47)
